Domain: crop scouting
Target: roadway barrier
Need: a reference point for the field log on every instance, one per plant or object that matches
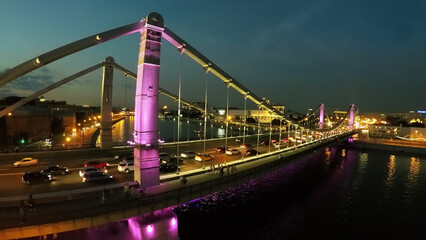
(49, 197)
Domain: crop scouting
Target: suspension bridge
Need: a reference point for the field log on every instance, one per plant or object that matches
(152, 30)
(146, 133)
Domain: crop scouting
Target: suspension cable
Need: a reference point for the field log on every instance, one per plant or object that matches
(279, 145)
(227, 121)
(178, 122)
(205, 117)
(245, 122)
(258, 131)
(125, 94)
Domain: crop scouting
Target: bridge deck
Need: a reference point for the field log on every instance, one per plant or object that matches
(72, 214)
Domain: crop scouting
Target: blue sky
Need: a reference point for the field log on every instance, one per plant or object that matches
(296, 53)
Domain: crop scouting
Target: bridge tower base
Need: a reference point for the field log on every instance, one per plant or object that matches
(147, 171)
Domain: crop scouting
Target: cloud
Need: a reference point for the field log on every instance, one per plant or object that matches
(27, 84)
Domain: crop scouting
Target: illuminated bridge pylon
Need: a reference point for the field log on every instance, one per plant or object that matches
(321, 116)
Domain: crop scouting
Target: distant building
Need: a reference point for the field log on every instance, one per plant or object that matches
(392, 132)
(28, 123)
(264, 116)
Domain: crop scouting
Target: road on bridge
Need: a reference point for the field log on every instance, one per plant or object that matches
(10, 177)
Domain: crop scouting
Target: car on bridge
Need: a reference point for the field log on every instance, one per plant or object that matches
(96, 164)
(251, 152)
(55, 170)
(204, 157)
(232, 152)
(167, 157)
(246, 146)
(220, 150)
(96, 177)
(125, 166)
(168, 165)
(26, 162)
(36, 177)
(129, 158)
(188, 154)
(90, 169)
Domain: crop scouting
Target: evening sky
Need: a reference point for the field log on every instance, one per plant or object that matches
(295, 53)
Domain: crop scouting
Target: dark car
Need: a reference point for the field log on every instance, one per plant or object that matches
(251, 152)
(36, 177)
(129, 158)
(168, 165)
(96, 177)
(220, 149)
(96, 164)
(55, 170)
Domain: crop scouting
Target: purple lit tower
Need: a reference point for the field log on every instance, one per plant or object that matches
(321, 116)
(146, 103)
(351, 117)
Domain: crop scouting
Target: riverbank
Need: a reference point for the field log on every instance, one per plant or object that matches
(388, 145)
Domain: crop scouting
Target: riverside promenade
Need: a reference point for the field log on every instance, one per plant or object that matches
(66, 211)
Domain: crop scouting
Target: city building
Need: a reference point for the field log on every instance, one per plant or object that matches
(397, 132)
(26, 124)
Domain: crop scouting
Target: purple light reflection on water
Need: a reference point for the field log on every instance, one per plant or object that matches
(149, 228)
(161, 224)
(134, 229)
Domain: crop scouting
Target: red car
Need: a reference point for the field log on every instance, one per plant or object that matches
(96, 164)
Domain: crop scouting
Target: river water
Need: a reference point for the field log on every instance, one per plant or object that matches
(366, 194)
(168, 128)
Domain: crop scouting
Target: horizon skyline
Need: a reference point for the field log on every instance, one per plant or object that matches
(417, 111)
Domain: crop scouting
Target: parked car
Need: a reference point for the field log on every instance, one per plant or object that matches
(96, 177)
(26, 162)
(220, 149)
(233, 151)
(168, 165)
(188, 154)
(206, 157)
(251, 152)
(96, 164)
(36, 177)
(125, 166)
(55, 170)
(89, 170)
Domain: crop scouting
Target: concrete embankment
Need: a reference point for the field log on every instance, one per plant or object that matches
(387, 147)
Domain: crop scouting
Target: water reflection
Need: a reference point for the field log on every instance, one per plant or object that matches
(161, 224)
(413, 172)
(391, 172)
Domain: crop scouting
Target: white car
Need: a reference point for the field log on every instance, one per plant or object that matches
(125, 166)
(232, 151)
(26, 162)
(205, 157)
